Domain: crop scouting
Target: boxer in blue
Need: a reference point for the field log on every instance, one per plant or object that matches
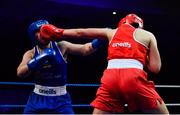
(47, 63)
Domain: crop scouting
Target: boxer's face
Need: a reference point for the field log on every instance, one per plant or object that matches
(42, 41)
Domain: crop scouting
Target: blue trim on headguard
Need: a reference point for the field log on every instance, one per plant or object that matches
(35, 26)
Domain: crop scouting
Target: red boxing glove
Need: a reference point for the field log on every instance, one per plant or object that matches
(50, 32)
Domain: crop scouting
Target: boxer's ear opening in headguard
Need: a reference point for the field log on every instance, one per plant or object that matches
(33, 28)
(133, 20)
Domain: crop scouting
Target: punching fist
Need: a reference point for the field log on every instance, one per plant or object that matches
(50, 32)
(39, 60)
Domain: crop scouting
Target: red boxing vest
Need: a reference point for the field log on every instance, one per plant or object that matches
(124, 46)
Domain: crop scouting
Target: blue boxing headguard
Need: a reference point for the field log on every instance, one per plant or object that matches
(33, 28)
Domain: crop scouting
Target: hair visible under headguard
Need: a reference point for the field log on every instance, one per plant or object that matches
(35, 26)
(130, 19)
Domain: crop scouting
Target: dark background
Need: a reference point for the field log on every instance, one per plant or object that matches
(160, 17)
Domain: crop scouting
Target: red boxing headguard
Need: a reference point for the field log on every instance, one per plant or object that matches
(130, 19)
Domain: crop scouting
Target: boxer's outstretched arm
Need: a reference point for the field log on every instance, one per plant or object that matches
(51, 32)
(91, 33)
(81, 49)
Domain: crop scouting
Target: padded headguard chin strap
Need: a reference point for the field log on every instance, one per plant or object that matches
(35, 26)
(130, 19)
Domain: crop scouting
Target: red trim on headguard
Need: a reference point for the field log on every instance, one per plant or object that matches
(130, 19)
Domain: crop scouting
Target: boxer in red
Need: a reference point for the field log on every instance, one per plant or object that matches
(130, 50)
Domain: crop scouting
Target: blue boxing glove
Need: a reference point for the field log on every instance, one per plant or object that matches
(39, 60)
(96, 43)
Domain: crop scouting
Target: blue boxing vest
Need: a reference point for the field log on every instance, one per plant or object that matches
(51, 74)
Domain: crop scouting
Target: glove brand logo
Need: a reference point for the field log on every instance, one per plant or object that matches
(49, 91)
(121, 44)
